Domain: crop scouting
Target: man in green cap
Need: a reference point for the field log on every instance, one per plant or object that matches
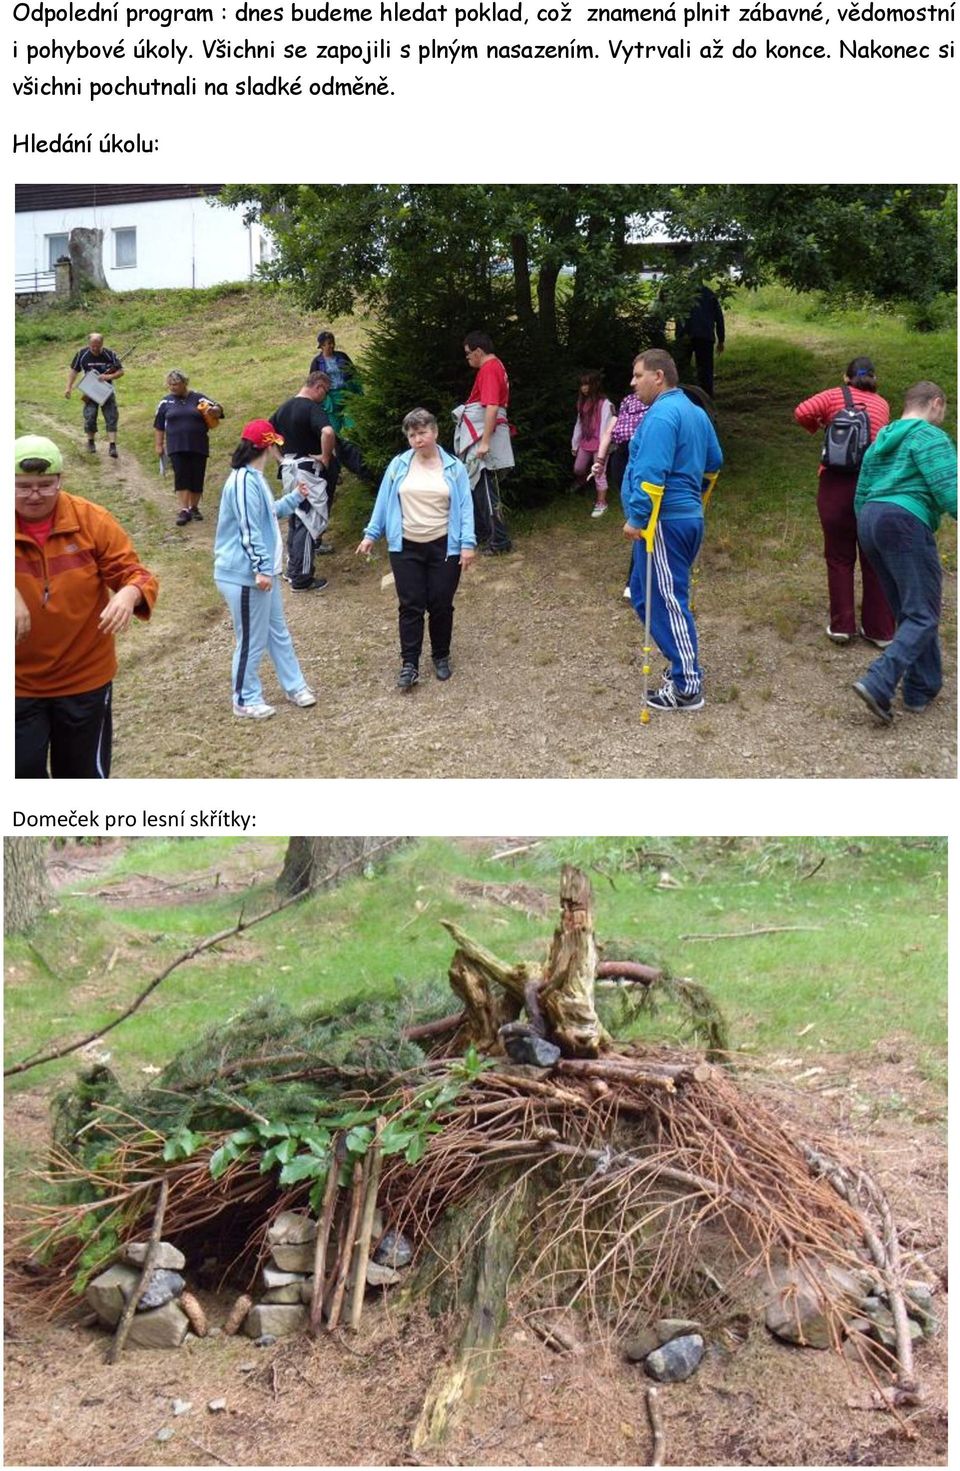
(79, 582)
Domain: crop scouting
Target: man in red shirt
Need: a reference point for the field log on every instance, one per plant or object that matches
(484, 441)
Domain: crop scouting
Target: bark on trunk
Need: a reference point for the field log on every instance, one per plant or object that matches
(26, 888)
(308, 860)
(86, 260)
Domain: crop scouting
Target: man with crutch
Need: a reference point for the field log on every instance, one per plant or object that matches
(674, 456)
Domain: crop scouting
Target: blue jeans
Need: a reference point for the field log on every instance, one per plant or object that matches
(260, 626)
(903, 553)
(675, 547)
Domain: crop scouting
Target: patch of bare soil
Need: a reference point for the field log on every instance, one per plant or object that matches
(354, 1402)
(72, 865)
(547, 678)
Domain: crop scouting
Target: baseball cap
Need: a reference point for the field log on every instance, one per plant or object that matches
(261, 433)
(35, 447)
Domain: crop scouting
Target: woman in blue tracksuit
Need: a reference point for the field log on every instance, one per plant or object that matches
(425, 507)
(247, 559)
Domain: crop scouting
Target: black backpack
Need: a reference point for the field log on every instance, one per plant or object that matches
(847, 437)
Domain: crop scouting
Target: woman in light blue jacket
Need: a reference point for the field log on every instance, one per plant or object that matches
(425, 508)
(247, 558)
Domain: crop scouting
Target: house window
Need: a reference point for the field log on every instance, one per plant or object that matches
(124, 248)
(57, 245)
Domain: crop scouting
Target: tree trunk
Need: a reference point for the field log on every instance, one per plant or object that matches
(547, 303)
(26, 888)
(309, 860)
(522, 291)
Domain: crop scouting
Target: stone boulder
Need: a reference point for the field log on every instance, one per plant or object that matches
(394, 1250)
(163, 1287)
(289, 1292)
(164, 1327)
(275, 1320)
(167, 1255)
(296, 1258)
(108, 1293)
(292, 1228)
(676, 1360)
(796, 1311)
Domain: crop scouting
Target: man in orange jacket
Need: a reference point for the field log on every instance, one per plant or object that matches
(70, 555)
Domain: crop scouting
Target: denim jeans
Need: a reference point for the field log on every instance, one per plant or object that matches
(904, 556)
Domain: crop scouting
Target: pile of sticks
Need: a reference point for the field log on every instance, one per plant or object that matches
(347, 1221)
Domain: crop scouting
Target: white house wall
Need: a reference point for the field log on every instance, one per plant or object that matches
(180, 242)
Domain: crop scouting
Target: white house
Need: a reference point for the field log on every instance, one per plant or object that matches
(154, 235)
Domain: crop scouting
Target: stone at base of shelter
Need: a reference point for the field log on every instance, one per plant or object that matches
(164, 1327)
(276, 1319)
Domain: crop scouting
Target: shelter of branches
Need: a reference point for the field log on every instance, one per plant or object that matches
(533, 1162)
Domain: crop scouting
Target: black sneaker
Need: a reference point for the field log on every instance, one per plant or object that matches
(184, 518)
(409, 676)
(91, 446)
(324, 551)
(442, 668)
(668, 697)
(883, 712)
(112, 452)
(314, 586)
(196, 514)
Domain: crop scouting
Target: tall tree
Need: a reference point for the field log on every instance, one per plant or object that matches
(26, 888)
(308, 860)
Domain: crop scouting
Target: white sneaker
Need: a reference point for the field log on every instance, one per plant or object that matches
(304, 697)
(838, 638)
(597, 511)
(878, 643)
(626, 594)
(254, 712)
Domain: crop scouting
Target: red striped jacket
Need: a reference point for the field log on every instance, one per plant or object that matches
(817, 412)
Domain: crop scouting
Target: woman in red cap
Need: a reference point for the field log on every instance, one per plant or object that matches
(247, 558)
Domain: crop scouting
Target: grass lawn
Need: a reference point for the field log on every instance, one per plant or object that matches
(867, 963)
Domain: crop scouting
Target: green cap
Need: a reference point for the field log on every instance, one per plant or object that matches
(35, 447)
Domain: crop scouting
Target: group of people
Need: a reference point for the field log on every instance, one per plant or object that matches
(883, 488)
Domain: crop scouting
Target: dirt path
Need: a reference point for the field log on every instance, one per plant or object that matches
(546, 679)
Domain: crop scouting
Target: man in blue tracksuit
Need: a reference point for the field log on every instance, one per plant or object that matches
(674, 446)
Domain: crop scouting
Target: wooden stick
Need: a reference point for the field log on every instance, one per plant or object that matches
(365, 1235)
(434, 1029)
(766, 929)
(343, 1269)
(146, 1272)
(656, 1425)
(323, 1238)
(622, 1068)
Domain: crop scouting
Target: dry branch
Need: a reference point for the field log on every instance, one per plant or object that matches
(766, 929)
(346, 1250)
(375, 1164)
(323, 1238)
(656, 1425)
(146, 1272)
(629, 970)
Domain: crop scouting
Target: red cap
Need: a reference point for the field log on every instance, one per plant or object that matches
(261, 433)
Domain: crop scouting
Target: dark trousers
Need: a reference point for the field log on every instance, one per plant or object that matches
(301, 553)
(426, 580)
(841, 545)
(700, 348)
(73, 732)
(904, 555)
(490, 527)
(111, 416)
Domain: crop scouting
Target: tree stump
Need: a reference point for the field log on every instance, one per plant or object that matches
(559, 997)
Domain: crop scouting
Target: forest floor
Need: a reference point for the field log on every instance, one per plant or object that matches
(832, 1053)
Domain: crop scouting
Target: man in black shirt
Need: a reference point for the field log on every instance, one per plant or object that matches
(100, 360)
(695, 336)
(309, 464)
